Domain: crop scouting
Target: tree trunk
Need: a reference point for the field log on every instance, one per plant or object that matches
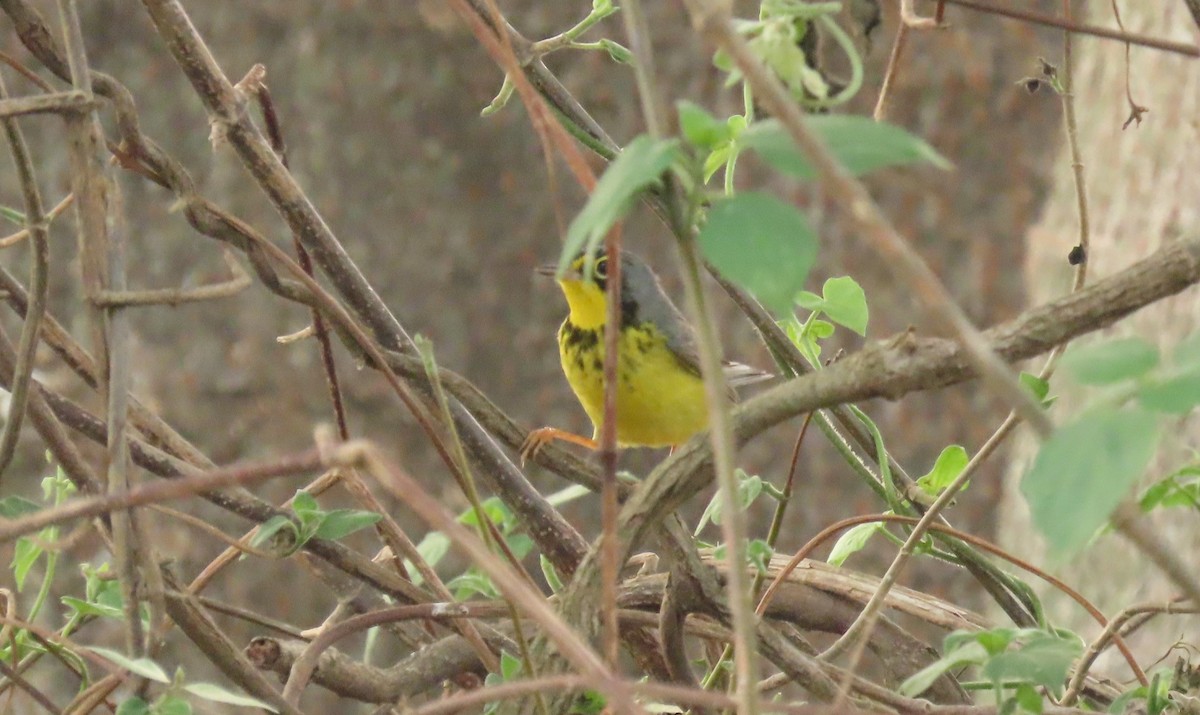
(1143, 189)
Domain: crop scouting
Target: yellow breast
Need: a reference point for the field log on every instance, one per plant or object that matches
(659, 401)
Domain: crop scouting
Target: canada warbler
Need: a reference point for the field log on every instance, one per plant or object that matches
(660, 394)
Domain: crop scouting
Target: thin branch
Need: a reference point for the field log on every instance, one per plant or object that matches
(1096, 647)
(1078, 28)
(178, 296)
(15, 238)
(154, 492)
(39, 284)
(54, 103)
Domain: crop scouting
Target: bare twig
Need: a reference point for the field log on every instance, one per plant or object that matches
(893, 69)
(177, 296)
(54, 103)
(1078, 28)
(39, 268)
(15, 238)
(159, 491)
(1106, 636)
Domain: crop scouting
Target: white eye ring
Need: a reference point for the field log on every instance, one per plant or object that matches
(600, 269)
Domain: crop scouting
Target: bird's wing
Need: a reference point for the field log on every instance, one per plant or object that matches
(656, 307)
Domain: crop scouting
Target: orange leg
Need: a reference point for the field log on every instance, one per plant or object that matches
(542, 436)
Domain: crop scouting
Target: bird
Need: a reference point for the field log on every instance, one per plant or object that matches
(660, 393)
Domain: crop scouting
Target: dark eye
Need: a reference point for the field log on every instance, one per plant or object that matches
(601, 268)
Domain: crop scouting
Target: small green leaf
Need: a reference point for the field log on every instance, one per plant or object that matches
(138, 666)
(15, 507)
(1111, 361)
(84, 608)
(133, 706)
(618, 52)
(762, 244)
(13, 216)
(950, 463)
(510, 666)
(304, 503)
(1084, 470)
(472, 583)
(846, 303)
(217, 694)
(170, 705)
(637, 166)
(1039, 387)
(1045, 660)
(1177, 394)
(273, 526)
(700, 128)
(25, 555)
(820, 329)
(520, 544)
(759, 553)
(851, 542)
(550, 574)
(716, 159)
(860, 145)
(810, 301)
(966, 654)
(1029, 699)
(342, 522)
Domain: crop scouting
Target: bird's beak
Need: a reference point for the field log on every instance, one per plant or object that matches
(551, 270)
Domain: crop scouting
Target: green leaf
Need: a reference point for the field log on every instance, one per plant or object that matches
(851, 542)
(217, 694)
(305, 503)
(639, 165)
(820, 329)
(1046, 660)
(845, 303)
(1111, 361)
(810, 301)
(761, 243)
(85, 608)
(13, 216)
(510, 666)
(950, 463)
(1177, 394)
(759, 553)
(520, 544)
(553, 580)
(472, 583)
(966, 654)
(1173, 491)
(15, 507)
(138, 666)
(25, 555)
(860, 145)
(617, 51)
(342, 522)
(170, 705)
(1029, 699)
(1039, 387)
(1084, 470)
(133, 706)
(700, 128)
(717, 159)
(273, 526)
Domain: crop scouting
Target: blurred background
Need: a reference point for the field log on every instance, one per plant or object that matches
(448, 212)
